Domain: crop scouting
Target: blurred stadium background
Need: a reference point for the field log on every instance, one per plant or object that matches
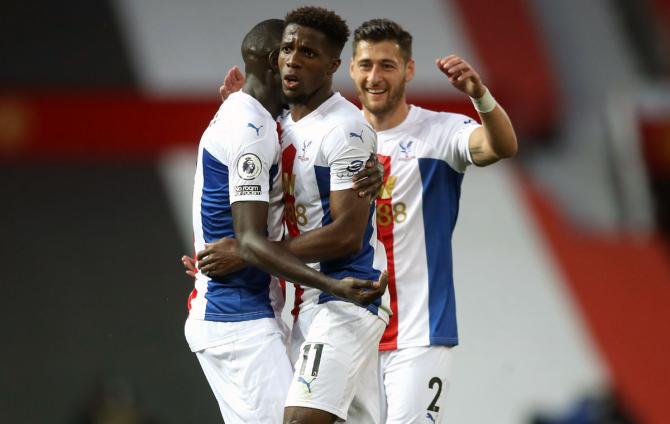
(561, 256)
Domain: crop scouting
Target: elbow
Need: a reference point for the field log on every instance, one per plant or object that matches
(511, 151)
(508, 149)
(246, 249)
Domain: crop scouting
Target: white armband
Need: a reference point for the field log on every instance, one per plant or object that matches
(484, 104)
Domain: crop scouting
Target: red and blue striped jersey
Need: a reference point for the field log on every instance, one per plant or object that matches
(424, 159)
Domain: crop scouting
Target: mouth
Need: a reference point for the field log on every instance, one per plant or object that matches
(290, 81)
(375, 91)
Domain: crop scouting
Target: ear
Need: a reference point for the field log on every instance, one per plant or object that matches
(351, 68)
(273, 59)
(409, 74)
(334, 65)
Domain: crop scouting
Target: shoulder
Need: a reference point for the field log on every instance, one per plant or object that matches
(341, 110)
(436, 123)
(346, 121)
(351, 133)
(445, 119)
(235, 129)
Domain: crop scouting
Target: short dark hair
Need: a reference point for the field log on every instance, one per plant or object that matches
(323, 20)
(384, 30)
(264, 37)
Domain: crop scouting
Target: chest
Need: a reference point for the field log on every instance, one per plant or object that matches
(302, 150)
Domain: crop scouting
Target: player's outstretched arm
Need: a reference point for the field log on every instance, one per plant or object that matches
(250, 221)
(496, 139)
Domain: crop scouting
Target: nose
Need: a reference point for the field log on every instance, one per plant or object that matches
(375, 75)
(292, 60)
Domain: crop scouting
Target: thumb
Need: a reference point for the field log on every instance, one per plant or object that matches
(383, 280)
(363, 284)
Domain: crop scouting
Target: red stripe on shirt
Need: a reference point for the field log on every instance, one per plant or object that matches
(194, 292)
(193, 295)
(389, 340)
(290, 219)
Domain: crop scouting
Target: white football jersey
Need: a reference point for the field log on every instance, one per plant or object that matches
(424, 159)
(321, 153)
(238, 160)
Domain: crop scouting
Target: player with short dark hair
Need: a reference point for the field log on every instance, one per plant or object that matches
(328, 23)
(384, 30)
(425, 155)
(325, 142)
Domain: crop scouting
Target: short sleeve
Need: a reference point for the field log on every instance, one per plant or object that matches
(346, 149)
(251, 159)
(455, 131)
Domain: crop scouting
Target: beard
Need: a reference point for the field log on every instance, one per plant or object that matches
(394, 95)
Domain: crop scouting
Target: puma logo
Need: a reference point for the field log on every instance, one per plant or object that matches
(353, 134)
(306, 383)
(250, 125)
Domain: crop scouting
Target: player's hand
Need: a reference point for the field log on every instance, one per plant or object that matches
(362, 292)
(220, 258)
(189, 265)
(368, 181)
(462, 75)
(233, 82)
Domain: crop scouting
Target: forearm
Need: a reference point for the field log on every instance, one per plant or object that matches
(272, 258)
(499, 132)
(332, 241)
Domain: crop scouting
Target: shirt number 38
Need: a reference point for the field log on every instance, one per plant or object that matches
(296, 214)
(388, 213)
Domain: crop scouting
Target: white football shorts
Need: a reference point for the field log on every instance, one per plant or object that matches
(336, 370)
(246, 365)
(414, 383)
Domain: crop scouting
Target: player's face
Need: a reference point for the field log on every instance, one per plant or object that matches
(380, 74)
(306, 63)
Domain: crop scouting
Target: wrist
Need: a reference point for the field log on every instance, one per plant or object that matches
(484, 104)
(335, 287)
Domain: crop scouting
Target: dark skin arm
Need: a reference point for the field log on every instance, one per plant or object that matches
(342, 237)
(250, 222)
(222, 257)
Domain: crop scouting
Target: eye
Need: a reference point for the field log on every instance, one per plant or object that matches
(285, 49)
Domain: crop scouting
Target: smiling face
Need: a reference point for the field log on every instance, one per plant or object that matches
(380, 74)
(307, 63)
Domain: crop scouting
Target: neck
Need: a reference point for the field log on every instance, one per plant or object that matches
(267, 96)
(389, 119)
(307, 105)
